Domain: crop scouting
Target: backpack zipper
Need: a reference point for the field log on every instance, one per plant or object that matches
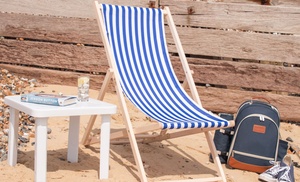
(252, 155)
(251, 102)
(255, 115)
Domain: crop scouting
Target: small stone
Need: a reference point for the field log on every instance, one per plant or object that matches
(5, 131)
(23, 140)
(49, 130)
(26, 135)
(31, 135)
(4, 139)
(3, 157)
(11, 84)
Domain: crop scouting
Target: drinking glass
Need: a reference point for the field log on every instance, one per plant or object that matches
(83, 88)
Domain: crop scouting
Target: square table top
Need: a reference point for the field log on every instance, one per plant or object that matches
(92, 107)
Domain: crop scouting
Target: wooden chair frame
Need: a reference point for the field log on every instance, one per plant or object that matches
(135, 134)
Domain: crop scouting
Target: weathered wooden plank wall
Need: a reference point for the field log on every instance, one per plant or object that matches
(249, 49)
(237, 50)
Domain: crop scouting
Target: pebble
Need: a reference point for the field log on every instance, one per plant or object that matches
(11, 84)
(49, 130)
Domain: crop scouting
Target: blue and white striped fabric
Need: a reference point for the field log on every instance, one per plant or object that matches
(137, 39)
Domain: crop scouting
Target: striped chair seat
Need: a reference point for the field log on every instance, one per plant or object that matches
(147, 78)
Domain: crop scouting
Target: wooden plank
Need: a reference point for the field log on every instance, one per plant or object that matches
(227, 100)
(49, 28)
(213, 99)
(209, 42)
(209, 15)
(206, 71)
(231, 74)
(242, 17)
(233, 44)
(65, 8)
(286, 3)
(53, 56)
(46, 76)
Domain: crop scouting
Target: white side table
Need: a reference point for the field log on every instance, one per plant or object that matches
(41, 114)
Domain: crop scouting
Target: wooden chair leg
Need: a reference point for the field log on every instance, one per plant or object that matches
(215, 156)
(85, 139)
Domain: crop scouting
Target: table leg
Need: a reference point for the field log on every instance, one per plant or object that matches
(104, 147)
(40, 159)
(13, 136)
(73, 141)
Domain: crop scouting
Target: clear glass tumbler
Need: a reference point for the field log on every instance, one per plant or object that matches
(83, 88)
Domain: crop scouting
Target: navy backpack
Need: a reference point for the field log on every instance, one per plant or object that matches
(256, 140)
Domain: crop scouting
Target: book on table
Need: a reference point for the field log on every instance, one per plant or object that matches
(49, 99)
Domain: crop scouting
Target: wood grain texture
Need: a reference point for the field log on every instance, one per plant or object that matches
(65, 8)
(238, 49)
(240, 75)
(208, 42)
(50, 28)
(213, 99)
(238, 16)
(243, 45)
(87, 59)
(53, 55)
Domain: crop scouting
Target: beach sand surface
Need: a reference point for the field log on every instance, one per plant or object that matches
(181, 158)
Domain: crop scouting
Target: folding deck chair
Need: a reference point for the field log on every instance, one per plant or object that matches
(134, 40)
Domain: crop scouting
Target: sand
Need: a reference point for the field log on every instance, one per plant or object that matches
(181, 158)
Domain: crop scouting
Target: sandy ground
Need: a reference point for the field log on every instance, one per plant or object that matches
(182, 158)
